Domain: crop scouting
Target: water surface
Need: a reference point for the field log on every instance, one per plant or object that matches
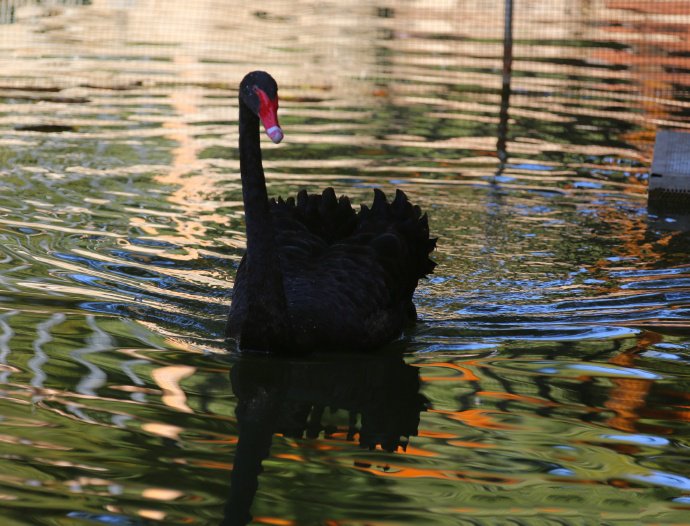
(547, 381)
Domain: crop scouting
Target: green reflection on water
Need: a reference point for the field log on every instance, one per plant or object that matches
(547, 379)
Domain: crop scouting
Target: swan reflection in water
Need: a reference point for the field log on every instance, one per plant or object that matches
(290, 397)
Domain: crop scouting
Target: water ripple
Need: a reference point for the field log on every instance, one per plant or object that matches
(546, 381)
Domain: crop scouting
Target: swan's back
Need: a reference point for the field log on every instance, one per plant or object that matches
(348, 276)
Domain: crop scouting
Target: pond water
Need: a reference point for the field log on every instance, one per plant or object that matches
(547, 381)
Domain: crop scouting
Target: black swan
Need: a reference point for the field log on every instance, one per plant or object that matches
(317, 275)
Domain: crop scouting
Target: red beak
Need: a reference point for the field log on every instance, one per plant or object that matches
(268, 113)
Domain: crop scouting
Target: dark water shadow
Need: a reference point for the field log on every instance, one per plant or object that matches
(669, 219)
(291, 396)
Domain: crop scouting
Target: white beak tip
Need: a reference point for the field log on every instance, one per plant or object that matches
(275, 133)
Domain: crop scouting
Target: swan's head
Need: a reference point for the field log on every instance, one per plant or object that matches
(259, 92)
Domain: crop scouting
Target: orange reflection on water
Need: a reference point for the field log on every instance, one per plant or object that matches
(628, 395)
(321, 446)
(418, 452)
(427, 433)
(481, 418)
(213, 464)
(290, 456)
(222, 440)
(465, 373)
(408, 472)
(514, 396)
(405, 472)
(274, 521)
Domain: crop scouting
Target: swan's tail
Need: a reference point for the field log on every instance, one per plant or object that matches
(324, 215)
(397, 231)
(405, 222)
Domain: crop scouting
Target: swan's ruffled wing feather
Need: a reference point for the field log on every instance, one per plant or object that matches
(351, 273)
(326, 220)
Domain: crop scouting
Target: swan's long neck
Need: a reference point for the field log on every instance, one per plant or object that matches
(254, 194)
(266, 322)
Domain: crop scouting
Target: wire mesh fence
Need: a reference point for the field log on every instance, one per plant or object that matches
(642, 38)
(607, 52)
